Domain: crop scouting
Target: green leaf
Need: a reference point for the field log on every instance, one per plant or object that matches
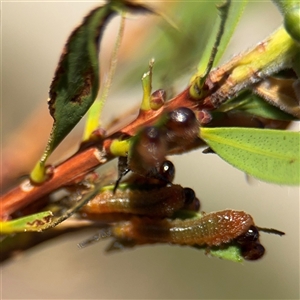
(76, 80)
(255, 105)
(235, 11)
(147, 87)
(269, 155)
(232, 253)
(94, 114)
(290, 10)
(35, 222)
(167, 45)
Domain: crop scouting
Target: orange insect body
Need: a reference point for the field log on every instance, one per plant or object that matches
(160, 202)
(212, 229)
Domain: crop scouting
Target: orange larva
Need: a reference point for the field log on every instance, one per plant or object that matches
(212, 229)
(160, 202)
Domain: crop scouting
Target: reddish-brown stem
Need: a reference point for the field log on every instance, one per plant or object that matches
(71, 171)
(96, 154)
(79, 165)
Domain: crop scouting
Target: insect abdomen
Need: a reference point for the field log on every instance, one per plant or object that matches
(212, 229)
(162, 202)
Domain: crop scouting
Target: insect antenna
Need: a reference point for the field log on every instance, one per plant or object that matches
(271, 231)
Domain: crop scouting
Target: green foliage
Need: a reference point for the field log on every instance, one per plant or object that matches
(231, 253)
(176, 49)
(290, 10)
(253, 104)
(35, 222)
(76, 81)
(269, 155)
(93, 118)
(234, 13)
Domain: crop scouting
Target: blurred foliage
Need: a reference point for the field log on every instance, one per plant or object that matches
(176, 50)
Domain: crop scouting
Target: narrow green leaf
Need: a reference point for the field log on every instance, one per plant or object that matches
(168, 45)
(76, 80)
(147, 87)
(235, 11)
(269, 155)
(35, 222)
(255, 105)
(93, 119)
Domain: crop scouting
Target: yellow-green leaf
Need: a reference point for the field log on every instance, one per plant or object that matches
(269, 155)
(290, 10)
(35, 222)
(232, 253)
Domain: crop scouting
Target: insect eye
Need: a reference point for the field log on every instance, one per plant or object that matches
(191, 202)
(189, 196)
(167, 170)
(252, 251)
(251, 235)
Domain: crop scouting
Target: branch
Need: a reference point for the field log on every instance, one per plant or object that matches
(270, 56)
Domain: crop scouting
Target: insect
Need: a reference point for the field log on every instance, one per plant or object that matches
(155, 202)
(251, 249)
(148, 149)
(148, 214)
(216, 229)
(147, 207)
(213, 229)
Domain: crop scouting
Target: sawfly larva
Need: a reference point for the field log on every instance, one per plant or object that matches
(156, 202)
(212, 229)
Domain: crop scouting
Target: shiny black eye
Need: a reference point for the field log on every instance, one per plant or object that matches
(251, 235)
(189, 196)
(252, 251)
(191, 203)
(181, 118)
(167, 170)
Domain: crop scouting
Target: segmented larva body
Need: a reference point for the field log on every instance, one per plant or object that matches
(161, 202)
(212, 229)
